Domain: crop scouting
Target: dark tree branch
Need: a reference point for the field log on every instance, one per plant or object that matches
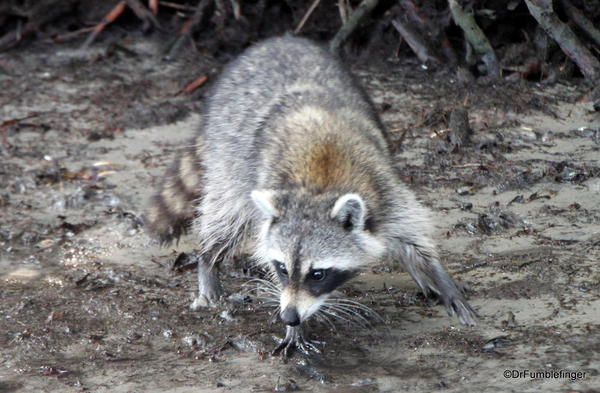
(581, 21)
(416, 43)
(543, 13)
(348, 28)
(475, 36)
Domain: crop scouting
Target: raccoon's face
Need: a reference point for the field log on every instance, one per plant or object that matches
(312, 245)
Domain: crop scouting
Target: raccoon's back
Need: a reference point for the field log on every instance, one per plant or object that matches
(245, 126)
(268, 81)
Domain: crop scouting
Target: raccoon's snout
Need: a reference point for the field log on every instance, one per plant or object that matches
(290, 316)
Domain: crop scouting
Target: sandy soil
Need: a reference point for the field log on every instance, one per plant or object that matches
(89, 303)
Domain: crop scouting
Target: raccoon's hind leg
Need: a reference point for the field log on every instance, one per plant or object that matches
(172, 208)
(421, 261)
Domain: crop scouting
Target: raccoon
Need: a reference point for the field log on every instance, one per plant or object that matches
(293, 163)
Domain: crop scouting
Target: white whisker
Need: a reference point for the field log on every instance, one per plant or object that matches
(323, 317)
(337, 316)
(350, 312)
(354, 316)
(355, 305)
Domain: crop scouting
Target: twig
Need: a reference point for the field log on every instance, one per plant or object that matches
(306, 16)
(187, 28)
(71, 34)
(177, 6)
(581, 21)
(543, 13)
(348, 28)
(13, 121)
(153, 5)
(475, 36)
(430, 31)
(193, 85)
(108, 18)
(416, 43)
(468, 165)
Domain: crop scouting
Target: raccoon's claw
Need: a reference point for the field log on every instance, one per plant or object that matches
(294, 339)
(451, 294)
(463, 310)
(456, 304)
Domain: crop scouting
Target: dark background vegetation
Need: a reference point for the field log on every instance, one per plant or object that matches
(390, 31)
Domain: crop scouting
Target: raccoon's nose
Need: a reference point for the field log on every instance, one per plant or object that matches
(290, 316)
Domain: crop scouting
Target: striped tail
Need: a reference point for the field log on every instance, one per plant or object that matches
(172, 209)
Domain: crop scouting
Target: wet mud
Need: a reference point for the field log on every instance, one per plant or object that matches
(89, 303)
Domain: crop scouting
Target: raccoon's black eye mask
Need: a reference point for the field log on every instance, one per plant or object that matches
(322, 281)
(317, 281)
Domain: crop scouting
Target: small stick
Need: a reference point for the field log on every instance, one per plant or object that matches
(13, 121)
(187, 28)
(306, 16)
(108, 18)
(468, 165)
(71, 34)
(177, 6)
(193, 85)
(430, 31)
(416, 43)
(348, 28)
(153, 5)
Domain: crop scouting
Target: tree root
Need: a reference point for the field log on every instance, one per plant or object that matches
(475, 36)
(543, 13)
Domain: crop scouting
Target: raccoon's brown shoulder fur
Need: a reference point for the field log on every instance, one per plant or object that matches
(326, 151)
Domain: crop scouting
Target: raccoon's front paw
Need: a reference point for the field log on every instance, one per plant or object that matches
(202, 301)
(208, 297)
(452, 296)
(458, 305)
(294, 339)
(209, 287)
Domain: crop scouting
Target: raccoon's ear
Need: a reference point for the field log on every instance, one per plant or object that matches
(265, 202)
(350, 211)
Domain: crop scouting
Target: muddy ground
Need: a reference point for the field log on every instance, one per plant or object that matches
(89, 302)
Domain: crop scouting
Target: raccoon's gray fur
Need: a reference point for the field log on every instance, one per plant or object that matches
(292, 163)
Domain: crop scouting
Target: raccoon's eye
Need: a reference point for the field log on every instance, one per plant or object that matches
(317, 275)
(281, 267)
